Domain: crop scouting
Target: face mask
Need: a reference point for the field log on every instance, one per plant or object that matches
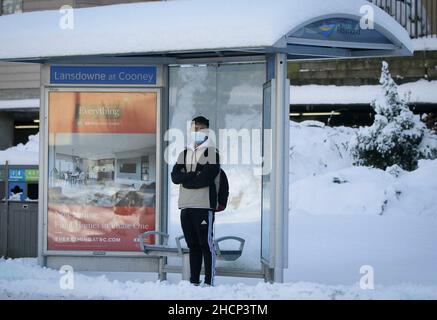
(198, 137)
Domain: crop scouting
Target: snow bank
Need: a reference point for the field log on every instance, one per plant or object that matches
(316, 149)
(27, 154)
(414, 193)
(33, 282)
(361, 190)
(355, 190)
(324, 181)
(421, 91)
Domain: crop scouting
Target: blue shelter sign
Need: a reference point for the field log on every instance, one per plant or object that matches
(340, 29)
(116, 75)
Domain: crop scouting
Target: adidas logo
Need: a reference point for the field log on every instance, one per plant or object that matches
(204, 222)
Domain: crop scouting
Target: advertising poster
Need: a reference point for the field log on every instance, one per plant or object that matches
(102, 170)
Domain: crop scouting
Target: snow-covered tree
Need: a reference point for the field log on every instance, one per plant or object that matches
(396, 136)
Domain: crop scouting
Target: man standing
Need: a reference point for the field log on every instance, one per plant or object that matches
(196, 171)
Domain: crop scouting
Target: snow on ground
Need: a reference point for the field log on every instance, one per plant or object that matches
(32, 282)
(316, 149)
(341, 218)
(324, 181)
(360, 190)
(27, 154)
(331, 249)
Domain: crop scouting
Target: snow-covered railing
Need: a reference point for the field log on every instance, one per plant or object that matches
(419, 17)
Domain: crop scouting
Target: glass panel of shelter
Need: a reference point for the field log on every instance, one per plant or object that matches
(230, 96)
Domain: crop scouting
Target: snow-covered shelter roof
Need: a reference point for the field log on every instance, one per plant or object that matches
(190, 27)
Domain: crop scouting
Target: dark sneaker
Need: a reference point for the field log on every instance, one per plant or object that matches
(196, 284)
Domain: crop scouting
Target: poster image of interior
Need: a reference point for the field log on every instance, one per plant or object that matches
(102, 164)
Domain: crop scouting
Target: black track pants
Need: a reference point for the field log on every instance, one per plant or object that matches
(198, 225)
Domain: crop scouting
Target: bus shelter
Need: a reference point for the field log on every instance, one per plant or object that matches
(119, 85)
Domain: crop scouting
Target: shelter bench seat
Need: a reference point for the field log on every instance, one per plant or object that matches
(164, 250)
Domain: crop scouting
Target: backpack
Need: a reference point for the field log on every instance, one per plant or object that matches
(223, 191)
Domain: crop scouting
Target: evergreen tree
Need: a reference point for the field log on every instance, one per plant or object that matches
(396, 134)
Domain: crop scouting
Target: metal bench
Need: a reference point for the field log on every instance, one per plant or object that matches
(164, 250)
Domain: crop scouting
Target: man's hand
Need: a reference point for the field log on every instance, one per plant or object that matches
(179, 174)
(190, 176)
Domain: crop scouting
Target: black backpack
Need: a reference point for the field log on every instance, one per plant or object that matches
(223, 191)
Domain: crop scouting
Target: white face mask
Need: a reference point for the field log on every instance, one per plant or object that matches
(198, 137)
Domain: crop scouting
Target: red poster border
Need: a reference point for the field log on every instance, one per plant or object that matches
(91, 253)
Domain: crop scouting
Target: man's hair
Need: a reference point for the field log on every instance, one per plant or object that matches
(201, 120)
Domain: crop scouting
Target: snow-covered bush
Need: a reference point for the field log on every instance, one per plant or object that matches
(397, 136)
(316, 149)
